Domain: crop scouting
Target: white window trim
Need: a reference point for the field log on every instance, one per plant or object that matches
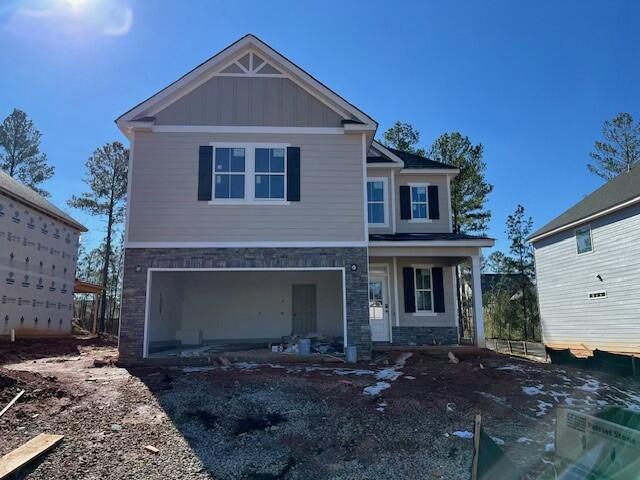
(422, 313)
(575, 237)
(249, 175)
(426, 186)
(385, 201)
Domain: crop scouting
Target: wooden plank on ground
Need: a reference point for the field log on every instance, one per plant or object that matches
(14, 400)
(24, 454)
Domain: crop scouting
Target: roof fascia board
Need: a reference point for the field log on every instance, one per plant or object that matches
(17, 198)
(448, 171)
(484, 242)
(594, 216)
(387, 153)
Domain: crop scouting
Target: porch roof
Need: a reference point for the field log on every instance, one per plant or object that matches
(430, 239)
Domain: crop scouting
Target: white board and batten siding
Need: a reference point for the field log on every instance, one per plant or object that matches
(569, 317)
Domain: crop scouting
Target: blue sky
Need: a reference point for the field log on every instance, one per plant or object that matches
(532, 81)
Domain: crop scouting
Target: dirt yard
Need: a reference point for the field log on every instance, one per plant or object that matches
(401, 416)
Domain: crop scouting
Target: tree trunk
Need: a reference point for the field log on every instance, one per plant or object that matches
(105, 274)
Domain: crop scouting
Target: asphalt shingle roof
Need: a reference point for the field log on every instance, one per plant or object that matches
(621, 189)
(16, 190)
(411, 160)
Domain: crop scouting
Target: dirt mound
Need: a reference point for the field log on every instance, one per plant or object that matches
(36, 386)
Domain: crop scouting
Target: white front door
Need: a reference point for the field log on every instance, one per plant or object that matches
(378, 309)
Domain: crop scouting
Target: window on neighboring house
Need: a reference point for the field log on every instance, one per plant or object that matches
(583, 240)
(270, 173)
(419, 202)
(376, 202)
(424, 290)
(229, 172)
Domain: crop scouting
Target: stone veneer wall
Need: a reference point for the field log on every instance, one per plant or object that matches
(135, 283)
(425, 335)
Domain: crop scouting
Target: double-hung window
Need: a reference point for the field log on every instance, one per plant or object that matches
(583, 240)
(229, 173)
(269, 173)
(424, 290)
(376, 209)
(249, 173)
(419, 210)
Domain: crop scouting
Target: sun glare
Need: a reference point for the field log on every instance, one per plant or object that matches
(75, 3)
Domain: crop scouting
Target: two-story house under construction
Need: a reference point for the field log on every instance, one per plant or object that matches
(261, 206)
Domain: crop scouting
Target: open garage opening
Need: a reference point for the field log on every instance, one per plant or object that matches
(203, 312)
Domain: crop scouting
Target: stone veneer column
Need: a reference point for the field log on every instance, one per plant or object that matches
(137, 261)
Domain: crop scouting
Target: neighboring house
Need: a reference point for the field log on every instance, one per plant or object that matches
(588, 271)
(261, 206)
(38, 254)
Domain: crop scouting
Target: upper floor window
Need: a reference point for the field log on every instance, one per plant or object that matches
(583, 239)
(251, 173)
(229, 173)
(419, 208)
(424, 290)
(376, 207)
(270, 173)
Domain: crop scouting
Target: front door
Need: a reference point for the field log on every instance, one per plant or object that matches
(304, 309)
(378, 309)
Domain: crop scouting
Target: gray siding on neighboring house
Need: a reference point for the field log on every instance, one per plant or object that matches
(164, 183)
(437, 226)
(249, 101)
(568, 317)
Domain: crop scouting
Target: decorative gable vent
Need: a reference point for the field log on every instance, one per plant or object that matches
(251, 65)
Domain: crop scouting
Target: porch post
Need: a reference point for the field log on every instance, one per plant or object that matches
(478, 314)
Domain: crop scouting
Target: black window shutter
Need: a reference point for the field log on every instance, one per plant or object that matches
(438, 289)
(409, 290)
(205, 173)
(434, 204)
(293, 174)
(405, 202)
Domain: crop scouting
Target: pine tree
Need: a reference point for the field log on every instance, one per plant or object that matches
(621, 149)
(404, 137)
(20, 154)
(107, 180)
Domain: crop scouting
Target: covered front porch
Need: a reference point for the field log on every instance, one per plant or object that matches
(413, 294)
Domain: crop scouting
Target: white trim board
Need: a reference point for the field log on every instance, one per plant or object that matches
(247, 129)
(587, 219)
(274, 244)
(434, 243)
(151, 270)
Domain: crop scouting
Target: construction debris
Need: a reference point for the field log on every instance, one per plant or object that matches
(152, 449)
(14, 400)
(453, 358)
(24, 454)
(224, 361)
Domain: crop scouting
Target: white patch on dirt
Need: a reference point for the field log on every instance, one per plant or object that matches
(542, 408)
(550, 447)
(376, 389)
(390, 374)
(495, 398)
(498, 440)
(513, 367)
(463, 434)
(591, 385)
(524, 440)
(537, 390)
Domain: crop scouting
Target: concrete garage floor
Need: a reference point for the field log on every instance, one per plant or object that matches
(401, 416)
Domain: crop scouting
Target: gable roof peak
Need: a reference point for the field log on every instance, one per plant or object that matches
(224, 59)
